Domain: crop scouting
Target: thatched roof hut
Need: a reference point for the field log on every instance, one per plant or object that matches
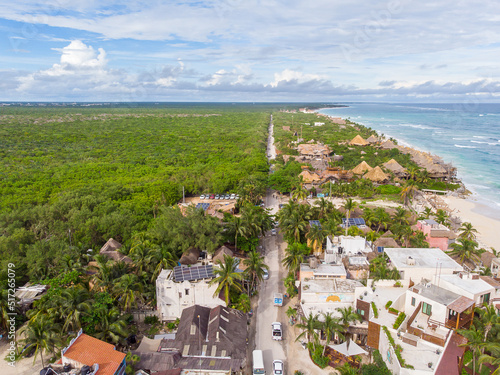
(372, 139)
(388, 145)
(385, 242)
(190, 256)
(376, 175)
(110, 250)
(358, 141)
(362, 168)
(387, 234)
(309, 178)
(220, 252)
(396, 168)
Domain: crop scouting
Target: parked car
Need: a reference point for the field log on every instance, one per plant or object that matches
(233, 196)
(273, 231)
(227, 196)
(278, 367)
(265, 274)
(202, 196)
(217, 196)
(212, 196)
(277, 331)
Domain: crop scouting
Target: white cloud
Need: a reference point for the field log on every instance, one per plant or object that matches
(289, 75)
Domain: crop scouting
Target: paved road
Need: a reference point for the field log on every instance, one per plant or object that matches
(266, 312)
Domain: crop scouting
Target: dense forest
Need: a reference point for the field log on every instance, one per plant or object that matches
(74, 177)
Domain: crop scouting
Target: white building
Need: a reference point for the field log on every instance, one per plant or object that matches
(417, 264)
(469, 285)
(183, 287)
(338, 247)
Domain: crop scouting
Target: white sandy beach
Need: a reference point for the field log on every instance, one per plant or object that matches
(469, 211)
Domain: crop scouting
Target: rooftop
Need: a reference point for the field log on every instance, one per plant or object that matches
(88, 350)
(435, 293)
(467, 284)
(330, 285)
(324, 270)
(423, 257)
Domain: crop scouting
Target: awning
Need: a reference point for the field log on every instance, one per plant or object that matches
(348, 348)
(461, 304)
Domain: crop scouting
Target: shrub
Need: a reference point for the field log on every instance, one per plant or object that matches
(399, 320)
(392, 310)
(319, 358)
(388, 304)
(152, 319)
(375, 310)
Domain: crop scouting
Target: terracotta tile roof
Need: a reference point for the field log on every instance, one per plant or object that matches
(88, 350)
(453, 351)
(461, 304)
(490, 280)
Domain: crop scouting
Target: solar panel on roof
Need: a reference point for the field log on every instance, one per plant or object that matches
(193, 273)
(204, 206)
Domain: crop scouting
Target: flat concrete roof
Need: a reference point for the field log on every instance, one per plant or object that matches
(435, 293)
(330, 286)
(469, 285)
(325, 269)
(424, 258)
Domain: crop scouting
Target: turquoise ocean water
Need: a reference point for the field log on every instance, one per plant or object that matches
(465, 134)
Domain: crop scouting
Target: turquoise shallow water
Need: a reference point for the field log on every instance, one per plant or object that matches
(465, 134)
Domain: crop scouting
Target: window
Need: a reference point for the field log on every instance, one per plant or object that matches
(413, 301)
(426, 308)
(187, 292)
(485, 298)
(360, 312)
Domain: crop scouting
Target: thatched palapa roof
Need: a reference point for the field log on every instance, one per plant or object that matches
(358, 141)
(372, 139)
(386, 242)
(376, 175)
(190, 256)
(362, 168)
(110, 250)
(388, 144)
(220, 252)
(395, 168)
(309, 178)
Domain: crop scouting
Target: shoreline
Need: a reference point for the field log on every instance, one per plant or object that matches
(474, 209)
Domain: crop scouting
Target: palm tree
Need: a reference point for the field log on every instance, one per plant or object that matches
(111, 327)
(74, 304)
(466, 250)
(295, 253)
(317, 236)
(4, 309)
(408, 192)
(468, 232)
(324, 207)
(244, 303)
(413, 172)
(442, 217)
(128, 290)
(161, 258)
(237, 226)
(372, 237)
(331, 326)
(294, 226)
(369, 216)
(255, 268)
(349, 205)
(41, 334)
(488, 317)
(475, 342)
(348, 316)
(300, 193)
(419, 240)
(494, 358)
(382, 218)
(423, 176)
(401, 216)
(226, 277)
(309, 325)
(347, 369)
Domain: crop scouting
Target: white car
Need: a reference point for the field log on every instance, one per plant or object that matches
(265, 274)
(273, 231)
(278, 367)
(233, 196)
(202, 196)
(277, 331)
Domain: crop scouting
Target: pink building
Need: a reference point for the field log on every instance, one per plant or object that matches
(437, 234)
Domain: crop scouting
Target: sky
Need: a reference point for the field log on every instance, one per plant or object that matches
(250, 50)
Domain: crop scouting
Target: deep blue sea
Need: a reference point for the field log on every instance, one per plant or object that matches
(465, 134)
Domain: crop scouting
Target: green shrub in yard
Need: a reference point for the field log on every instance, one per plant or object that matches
(153, 319)
(319, 358)
(375, 310)
(388, 304)
(399, 320)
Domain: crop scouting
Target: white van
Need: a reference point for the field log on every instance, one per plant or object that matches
(258, 363)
